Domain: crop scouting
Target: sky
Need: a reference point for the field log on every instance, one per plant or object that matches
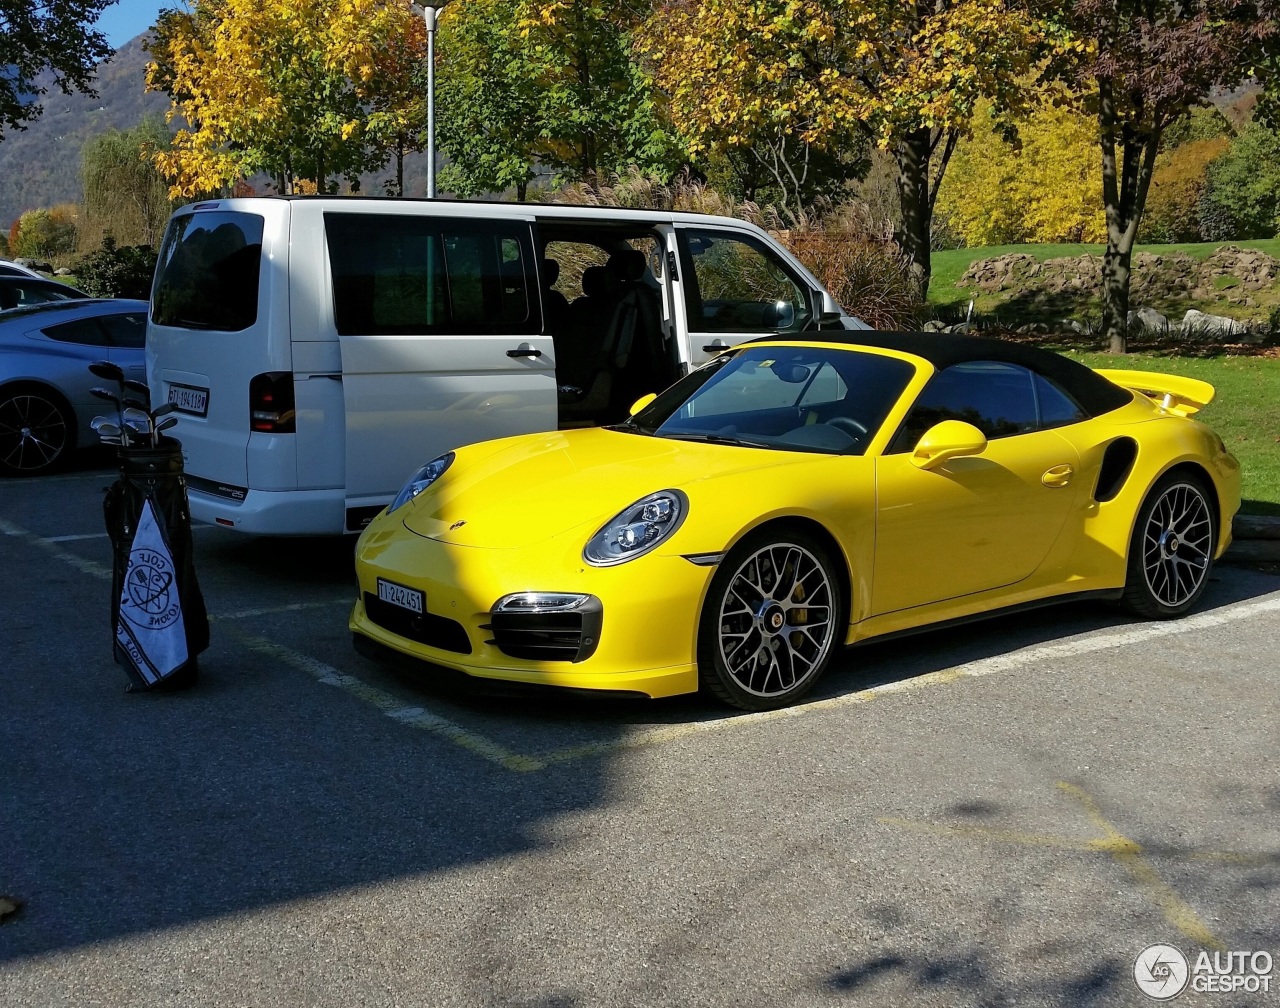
(126, 18)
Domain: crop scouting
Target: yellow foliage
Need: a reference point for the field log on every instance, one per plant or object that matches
(1049, 191)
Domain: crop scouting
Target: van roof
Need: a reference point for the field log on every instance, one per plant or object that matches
(484, 208)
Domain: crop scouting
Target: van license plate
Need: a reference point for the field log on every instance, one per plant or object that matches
(190, 400)
(399, 595)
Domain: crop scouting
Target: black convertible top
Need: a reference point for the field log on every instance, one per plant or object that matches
(1094, 393)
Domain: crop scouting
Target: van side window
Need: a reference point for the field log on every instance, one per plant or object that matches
(734, 283)
(207, 275)
(398, 275)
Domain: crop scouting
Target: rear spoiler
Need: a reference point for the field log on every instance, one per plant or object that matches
(1174, 393)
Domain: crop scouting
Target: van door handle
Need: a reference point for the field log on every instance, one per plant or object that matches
(1058, 476)
(715, 346)
(524, 352)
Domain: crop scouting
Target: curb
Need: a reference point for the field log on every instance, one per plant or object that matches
(1255, 539)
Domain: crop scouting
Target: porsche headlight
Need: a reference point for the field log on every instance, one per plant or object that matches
(422, 479)
(635, 530)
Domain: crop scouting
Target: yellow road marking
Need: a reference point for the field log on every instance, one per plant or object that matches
(1125, 852)
(391, 705)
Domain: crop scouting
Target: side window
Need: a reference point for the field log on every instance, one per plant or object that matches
(85, 332)
(997, 398)
(126, 330)
(735, 283)
(404, 275)
(1057, 409)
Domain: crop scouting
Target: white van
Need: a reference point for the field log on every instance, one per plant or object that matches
(319, 348)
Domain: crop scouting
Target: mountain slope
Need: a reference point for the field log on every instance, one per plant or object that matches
(40, 166)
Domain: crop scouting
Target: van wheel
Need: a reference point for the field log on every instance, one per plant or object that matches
(36, 430)
(770, 621)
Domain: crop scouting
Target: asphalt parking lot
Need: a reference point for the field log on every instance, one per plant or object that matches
(1002, 814)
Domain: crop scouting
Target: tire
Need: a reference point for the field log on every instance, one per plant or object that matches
(760, 646)
(37, 431)
(1171, 549)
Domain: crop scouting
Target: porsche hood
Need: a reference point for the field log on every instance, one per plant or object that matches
(540, 485)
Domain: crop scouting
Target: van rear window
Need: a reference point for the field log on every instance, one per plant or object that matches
(207, 276)
(402, 275)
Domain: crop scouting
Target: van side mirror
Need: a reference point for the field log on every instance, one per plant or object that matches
(947, 440)
(642, 402)
(829, 309)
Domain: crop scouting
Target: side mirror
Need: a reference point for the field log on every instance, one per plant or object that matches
(947, 440)
(829, 309)
(642, 402)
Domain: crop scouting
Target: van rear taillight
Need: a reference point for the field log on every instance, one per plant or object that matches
(271, 403)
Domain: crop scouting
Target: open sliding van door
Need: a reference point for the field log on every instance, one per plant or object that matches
(737, 287)
(440, 324)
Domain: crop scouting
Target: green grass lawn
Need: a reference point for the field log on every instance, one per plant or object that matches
(1245, 412)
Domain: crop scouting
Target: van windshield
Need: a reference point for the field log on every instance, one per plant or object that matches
(207, 275)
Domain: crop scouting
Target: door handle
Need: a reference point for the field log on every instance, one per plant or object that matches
(715, 346)
(1058, 476)
(524, 352)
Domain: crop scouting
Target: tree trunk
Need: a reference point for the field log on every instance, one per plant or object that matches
(400, 165)
(912, 154)
(1126, 180)
(522, 190)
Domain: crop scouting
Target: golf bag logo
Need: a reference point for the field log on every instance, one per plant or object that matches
(150, 629)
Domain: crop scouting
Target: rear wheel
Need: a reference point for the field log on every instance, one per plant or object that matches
(36, 431)
(770, 622)
(1171, 549)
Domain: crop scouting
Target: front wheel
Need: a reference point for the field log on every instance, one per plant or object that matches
(770, 622)
(1171, 549)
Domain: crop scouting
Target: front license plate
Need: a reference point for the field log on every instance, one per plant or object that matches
(190, 400)
(399, 595)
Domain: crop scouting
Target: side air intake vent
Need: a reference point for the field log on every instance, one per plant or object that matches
(1117, 463)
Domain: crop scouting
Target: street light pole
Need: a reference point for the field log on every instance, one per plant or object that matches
(430, 11)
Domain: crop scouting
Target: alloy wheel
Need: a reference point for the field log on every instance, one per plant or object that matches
(33, 433)
(1177, 544)
(775, 620)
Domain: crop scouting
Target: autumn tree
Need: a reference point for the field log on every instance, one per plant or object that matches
(1178, 184)
(125, 196)
(282, 87)
(47, 233)
(1043, 188)
(54, 36)
(1139, 66)
(780, 78)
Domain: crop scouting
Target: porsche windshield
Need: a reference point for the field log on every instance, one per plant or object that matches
(814, 399)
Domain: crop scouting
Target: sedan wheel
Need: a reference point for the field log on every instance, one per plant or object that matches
(770, 622)
(35, 432)
(1171, 550)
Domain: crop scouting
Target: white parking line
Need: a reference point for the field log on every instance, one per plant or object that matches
(74, 538)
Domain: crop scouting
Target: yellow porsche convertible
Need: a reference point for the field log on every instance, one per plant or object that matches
(793, 496)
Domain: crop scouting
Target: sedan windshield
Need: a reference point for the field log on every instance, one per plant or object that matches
(813, 399)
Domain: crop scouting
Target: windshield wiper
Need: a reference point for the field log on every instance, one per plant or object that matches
(728, 439)
(630, 427)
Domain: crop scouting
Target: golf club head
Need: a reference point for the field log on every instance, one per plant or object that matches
(133, 385)
(103, 394)
(97, 422)
(106, 431)
(107, 370)
(136, 431)
(137, 404)
(166, 423)
(136, 415)
(164, 409)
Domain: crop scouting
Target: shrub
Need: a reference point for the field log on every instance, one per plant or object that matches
(45, 233)
(1242, 188)
(114, 272)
